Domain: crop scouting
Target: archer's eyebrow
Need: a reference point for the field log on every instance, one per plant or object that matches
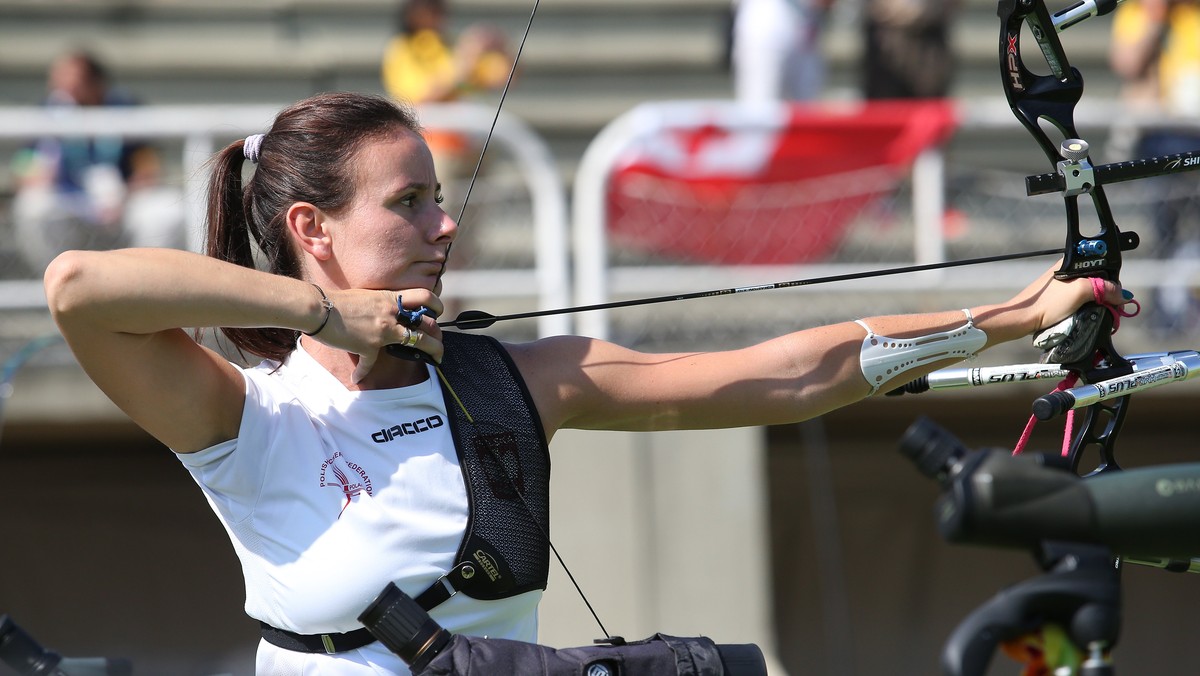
(416, 186)
(409, 187)
(399, 192)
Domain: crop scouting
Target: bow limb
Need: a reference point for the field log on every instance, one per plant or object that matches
(1052, 98)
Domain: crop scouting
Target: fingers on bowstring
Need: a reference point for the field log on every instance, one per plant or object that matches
(413, 305)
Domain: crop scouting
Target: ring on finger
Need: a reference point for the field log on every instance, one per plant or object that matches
(411, 337)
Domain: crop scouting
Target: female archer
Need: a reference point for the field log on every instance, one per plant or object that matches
(337, 468)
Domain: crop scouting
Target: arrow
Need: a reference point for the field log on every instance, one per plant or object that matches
(478, 319)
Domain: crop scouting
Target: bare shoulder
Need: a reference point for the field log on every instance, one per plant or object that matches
(563, 375)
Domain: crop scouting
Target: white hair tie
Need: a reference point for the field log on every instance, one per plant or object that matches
(252, 147)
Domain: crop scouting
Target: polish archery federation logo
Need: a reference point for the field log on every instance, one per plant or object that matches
(350, 477)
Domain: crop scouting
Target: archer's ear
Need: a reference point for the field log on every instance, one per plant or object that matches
(307, 225)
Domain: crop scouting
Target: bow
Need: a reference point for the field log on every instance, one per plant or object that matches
(1052, 98)
(1074, 606)
(1086, 354)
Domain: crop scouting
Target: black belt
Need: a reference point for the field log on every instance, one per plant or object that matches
(316, 643)
(445, 587)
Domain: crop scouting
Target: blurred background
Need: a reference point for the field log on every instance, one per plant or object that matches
(631, 159)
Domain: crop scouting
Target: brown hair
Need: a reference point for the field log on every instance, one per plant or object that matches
(306, 156)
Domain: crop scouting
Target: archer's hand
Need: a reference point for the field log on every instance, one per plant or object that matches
(1050, 300)
(363, 322)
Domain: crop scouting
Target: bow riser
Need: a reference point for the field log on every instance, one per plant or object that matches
(1052, 98)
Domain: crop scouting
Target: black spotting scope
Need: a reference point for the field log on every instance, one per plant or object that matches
(398, 622)
(991, 498)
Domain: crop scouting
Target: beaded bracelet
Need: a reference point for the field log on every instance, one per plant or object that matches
(327, 305)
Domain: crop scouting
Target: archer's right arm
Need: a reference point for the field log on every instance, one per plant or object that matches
(125, 314)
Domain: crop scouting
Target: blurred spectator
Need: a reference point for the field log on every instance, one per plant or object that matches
(90, 193)
(776, 49)
(423, 64)
(1155, 51)
(908, 54)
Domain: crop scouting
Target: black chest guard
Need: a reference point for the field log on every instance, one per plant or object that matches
(505, 462)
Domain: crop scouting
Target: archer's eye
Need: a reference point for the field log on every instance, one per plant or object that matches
(438, 197)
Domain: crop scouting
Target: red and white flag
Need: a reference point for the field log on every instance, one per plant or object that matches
(763, 185)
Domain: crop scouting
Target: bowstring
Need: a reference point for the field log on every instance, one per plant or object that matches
(462, 212)
(491, 130)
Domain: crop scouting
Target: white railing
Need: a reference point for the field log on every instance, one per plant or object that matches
(202, 128)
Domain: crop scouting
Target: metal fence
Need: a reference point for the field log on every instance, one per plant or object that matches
(517, 214)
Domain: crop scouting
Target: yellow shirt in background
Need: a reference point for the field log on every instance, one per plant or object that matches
(415, 66)
(1179, 63)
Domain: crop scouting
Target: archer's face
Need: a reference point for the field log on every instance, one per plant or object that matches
(394, 233)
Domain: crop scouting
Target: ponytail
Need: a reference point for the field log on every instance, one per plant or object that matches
(230, 228)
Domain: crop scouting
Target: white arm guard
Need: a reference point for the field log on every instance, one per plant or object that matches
(883, 358)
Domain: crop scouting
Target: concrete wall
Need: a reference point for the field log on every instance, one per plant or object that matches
(664, 532)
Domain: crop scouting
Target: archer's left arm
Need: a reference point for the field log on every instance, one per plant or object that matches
(583, 383)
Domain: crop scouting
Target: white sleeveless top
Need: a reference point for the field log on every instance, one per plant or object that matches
(329, 494)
